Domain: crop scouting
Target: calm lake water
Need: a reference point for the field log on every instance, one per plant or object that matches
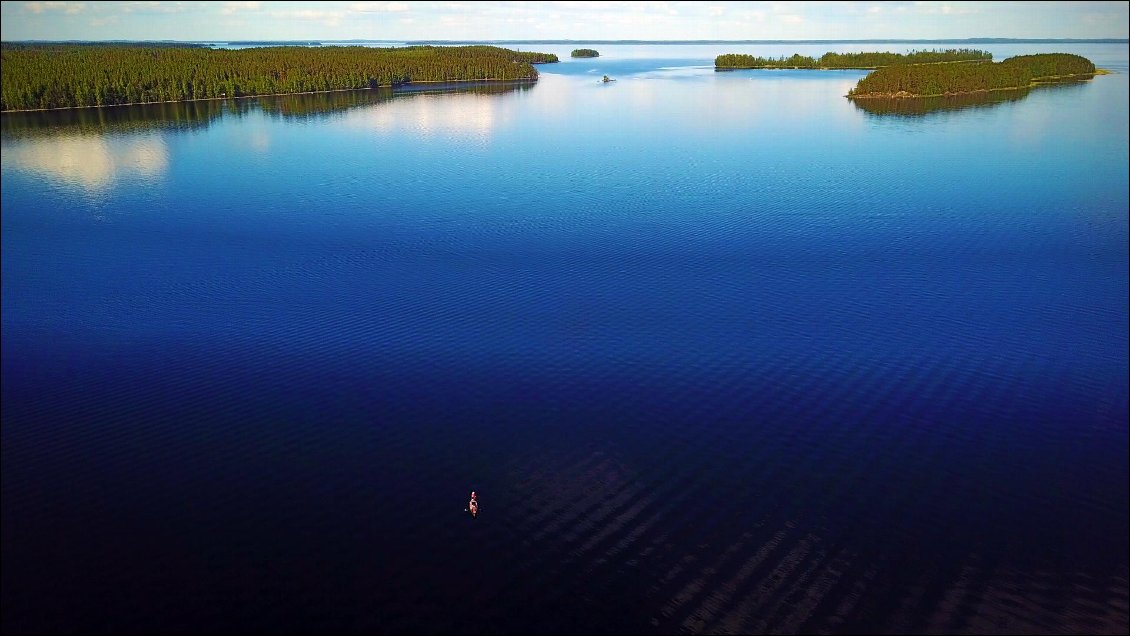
(721, 352)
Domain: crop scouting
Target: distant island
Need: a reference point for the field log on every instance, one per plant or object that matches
(39, 44)
(787, 42)
(734, 61)
(584, 53)
(939, 80)
(921, 74)
(37, 77)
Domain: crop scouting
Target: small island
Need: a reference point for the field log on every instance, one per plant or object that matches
(735, 61)
(584, 53)
(944, 80)
(49, 76)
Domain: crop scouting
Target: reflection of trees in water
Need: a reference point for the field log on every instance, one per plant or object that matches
(919, 106)
(199, 114)
(116, 119)
(320, 104)
(476, 88)
(317, 104)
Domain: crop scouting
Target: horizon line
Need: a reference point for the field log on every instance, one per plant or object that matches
(623, 41)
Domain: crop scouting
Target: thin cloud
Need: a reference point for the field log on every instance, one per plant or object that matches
(328, 18)
(944, 8)
(232, 7)
(455, 19)
(69, 8)
(153, 7)
(378, 7)
(302, 14)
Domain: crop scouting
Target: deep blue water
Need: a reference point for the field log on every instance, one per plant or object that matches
(721, 352)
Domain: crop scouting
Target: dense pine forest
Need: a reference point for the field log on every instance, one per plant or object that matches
(851, 60)
(584, 53)
(944, 79)
(69, 76)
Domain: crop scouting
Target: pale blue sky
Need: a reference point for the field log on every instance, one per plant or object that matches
(467, 20)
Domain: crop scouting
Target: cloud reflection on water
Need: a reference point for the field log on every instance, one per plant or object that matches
(93, 162)
(469, 113)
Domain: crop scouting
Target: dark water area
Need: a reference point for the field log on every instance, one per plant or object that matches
(720, 352)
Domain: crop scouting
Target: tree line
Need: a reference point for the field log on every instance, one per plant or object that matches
(851, 60)
(68, 76)
(942, 79)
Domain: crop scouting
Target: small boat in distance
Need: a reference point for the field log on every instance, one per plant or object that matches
(607, 79)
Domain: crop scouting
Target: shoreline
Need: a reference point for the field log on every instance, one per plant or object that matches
(1035, 83)
(210, 99)
(838, 68)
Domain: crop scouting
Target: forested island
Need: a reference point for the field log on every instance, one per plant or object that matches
(584, 53)
(73, 76)
(732, 61)
(937, 80)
